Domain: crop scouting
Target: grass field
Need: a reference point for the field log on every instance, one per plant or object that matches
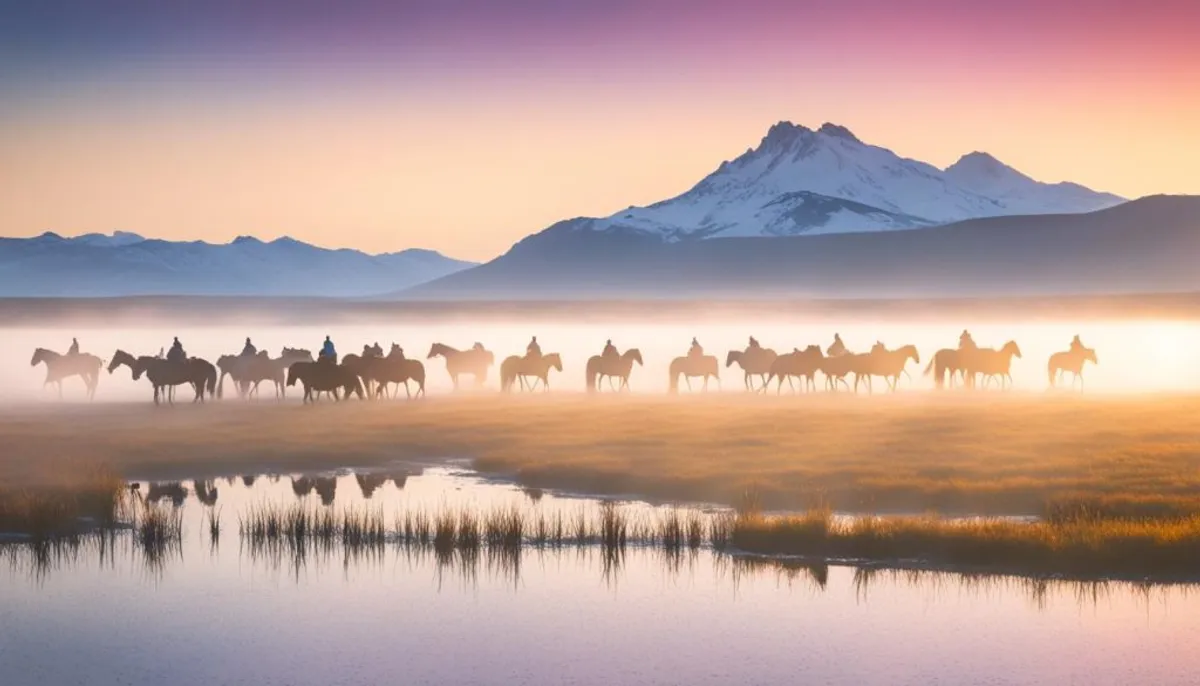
(914, 453)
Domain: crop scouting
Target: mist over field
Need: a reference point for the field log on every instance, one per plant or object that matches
(1134, 356)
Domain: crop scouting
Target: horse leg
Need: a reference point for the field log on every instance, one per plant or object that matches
(688, 380)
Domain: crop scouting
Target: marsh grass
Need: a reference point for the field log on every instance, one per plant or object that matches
(97, 501)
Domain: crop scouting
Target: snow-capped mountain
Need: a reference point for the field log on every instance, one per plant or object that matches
(801, 181)
(127, 264)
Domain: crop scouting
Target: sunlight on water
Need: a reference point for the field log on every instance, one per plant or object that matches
(1136, 356)
(560, 616)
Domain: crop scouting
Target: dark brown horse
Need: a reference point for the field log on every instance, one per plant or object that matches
(616, 368)
(474, 361)
(397, 369)
(166, 374)
(324, 376)
(59, 367)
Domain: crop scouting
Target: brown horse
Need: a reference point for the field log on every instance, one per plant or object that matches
(250, 371)
(397, 369)
(692, 366)
(59, 367)
(800, 364)
(1069, 361)
(754, 362)
(516, 368)
(618, 368)
(989, 363)
(889, 364)
(946, 361)
(474, 361)
(166, 374)
(837, 367)
(324, 376)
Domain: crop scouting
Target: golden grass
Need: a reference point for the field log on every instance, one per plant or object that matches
(74, 505)
(1034, 454)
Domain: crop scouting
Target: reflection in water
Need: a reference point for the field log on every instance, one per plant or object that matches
(206, 492)
(167, 490)
(367, 483)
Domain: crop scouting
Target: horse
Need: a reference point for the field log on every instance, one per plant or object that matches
(946, 361)
(1069, 361)
(397, 369)
(753, 361)
(59, 367)
(249, 371)
(692, 366)
(990, 363)
(837, 367)
(458, 362)
(166, 374)
(801, 364)
(620, 367)
(889, 364)
(324, 376)
(514, 368)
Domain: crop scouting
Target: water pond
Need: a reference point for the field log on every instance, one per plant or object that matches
(238, 610)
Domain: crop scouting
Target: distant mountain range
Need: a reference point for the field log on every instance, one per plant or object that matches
(1146, 245)
(820, 213)
(124, 264)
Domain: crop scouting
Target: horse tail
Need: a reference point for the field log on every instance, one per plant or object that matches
(673, 378)
(591, 377)
(929, 367)
(221, 386)
(1050, 372)
(212, 381)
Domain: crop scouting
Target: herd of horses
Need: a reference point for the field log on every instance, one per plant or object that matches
(375, 375)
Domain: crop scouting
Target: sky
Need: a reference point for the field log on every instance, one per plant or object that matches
(465, 125)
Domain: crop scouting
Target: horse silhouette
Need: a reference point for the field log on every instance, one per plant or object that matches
(166, 374)
(250, 371)
(459, 362)
(691, 366)
(324, 376)
(837, 367)
(59, 367)
(888, 364)
(946, 361)
(515, 368)
(618, 368)
(989, 363)
(397, 369)
(1069, 361)
(754, 362)
(799, 364)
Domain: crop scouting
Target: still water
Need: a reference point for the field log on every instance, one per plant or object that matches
(1135, 356)
(221, 614)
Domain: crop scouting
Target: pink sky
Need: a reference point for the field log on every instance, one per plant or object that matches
(464, 125)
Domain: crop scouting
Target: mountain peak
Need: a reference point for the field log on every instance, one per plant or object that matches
(979, 163)
(838, 131)
(783, 133)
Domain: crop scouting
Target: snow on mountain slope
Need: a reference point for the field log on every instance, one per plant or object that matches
(800, 181)
(984, 174)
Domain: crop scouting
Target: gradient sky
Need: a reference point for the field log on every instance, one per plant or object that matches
(464, 125)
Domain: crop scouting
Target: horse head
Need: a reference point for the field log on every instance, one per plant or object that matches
(293, 373)
(733, 356)
(435, 350)
(553, 360)
(1090, 355)
(39, 355)
(119, 358)
(634, 355)
(1012, 349)
(911, 351)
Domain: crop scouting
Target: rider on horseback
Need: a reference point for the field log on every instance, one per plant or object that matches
(695, 350)
(176, 353)
(1077, 345)
(754, 344)
(533, 350)
(965, 342)
(610, 351)
(74, 349)
(396, 353)
(327, 354)
(249, 350)
(837, 347)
